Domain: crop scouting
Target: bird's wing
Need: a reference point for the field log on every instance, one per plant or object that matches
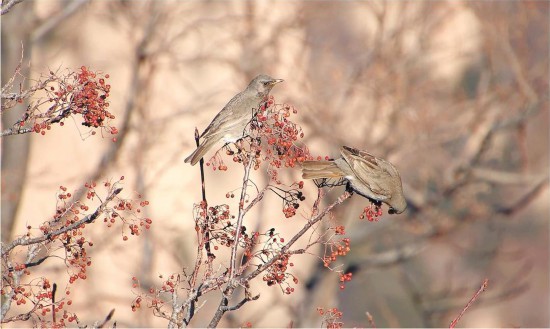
(368, 171)
(221, 119)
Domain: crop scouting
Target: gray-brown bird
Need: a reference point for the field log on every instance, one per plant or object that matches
(229, 124)
(369, 176)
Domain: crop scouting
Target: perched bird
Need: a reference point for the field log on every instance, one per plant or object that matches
(228, 125)
(371, 177)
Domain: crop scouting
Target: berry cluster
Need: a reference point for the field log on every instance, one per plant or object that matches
(83, 93)
(41, 294)
(336, 249)
(345, 277)
(133, 222)
(372, 213)
(273, 138)
(63, 233)
(331, 317)
(279, 137)
(216, 221)
(277, 274)
(291, 197)
(89, 98)
(153, 295)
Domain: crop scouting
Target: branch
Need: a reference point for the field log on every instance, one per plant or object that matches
(239, 304)
(233, 262)
(371, 320)
(62, 16)
(222, 308)
(6, 7)
(88, 219)
(138, 83)
(391, 257)
(107, 318)
(472, 300)
(285, 249)
(525, 200)
(6, 303)
(15, 131)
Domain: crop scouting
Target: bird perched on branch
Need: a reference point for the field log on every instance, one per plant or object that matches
(369, 176)
(228, 125)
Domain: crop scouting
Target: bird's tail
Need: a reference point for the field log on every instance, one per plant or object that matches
(321, 169)
(200, 151)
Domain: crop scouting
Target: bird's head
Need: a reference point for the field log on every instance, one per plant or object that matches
(262, 84)
(398, 204)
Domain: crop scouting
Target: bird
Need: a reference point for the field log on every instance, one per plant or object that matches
(370, 176)
(228, 125)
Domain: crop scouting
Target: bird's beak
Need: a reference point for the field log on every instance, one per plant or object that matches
(276, 81)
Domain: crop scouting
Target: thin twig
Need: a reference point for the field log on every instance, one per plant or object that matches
(107, 319)
(233, 262)
(472, 300)
(371, 321)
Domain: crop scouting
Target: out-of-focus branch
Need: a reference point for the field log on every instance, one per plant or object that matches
(16, 31)
(502, 177)
(107, 319)
(392, 257)
(6, 6)
(53, 21)
(525, 200)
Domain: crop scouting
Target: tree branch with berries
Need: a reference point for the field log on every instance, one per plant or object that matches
(236, 255)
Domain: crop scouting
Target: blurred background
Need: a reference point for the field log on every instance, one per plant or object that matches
(454, 93)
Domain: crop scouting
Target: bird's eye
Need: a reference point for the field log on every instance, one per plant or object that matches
(266, 83)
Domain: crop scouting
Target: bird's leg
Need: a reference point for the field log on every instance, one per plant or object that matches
(376, 203)
(349, 189)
